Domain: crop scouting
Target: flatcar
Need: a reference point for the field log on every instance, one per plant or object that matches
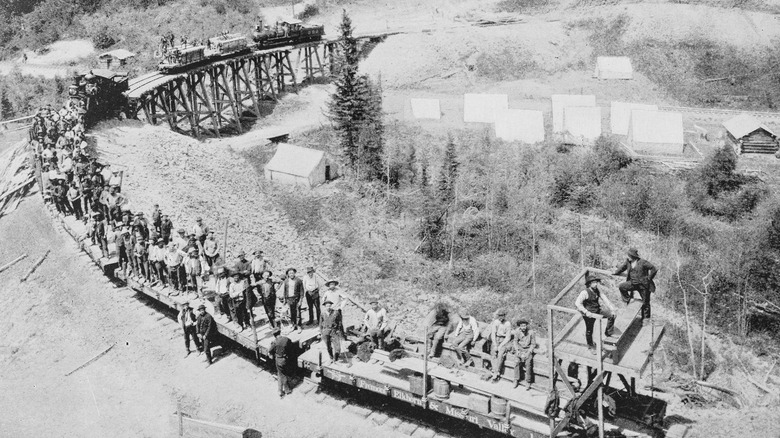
(286, 33)
(181, 57)
(227, 44)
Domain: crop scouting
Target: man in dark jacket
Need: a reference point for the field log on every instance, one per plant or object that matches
(639, 277)
(188, 321)
(291, 292)
(207, 329)
(280, 352)
(331, 330)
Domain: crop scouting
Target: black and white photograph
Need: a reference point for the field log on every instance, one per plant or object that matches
(390, 219)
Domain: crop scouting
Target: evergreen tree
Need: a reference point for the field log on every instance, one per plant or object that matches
(6, 108)
(372, 128)
(449, 173)
(346, 105)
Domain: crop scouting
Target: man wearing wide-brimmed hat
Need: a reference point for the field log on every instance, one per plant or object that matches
(331, 330)
(207, 329)
(291, 292)
(334, 294)
(267, 292)
(640, 274)
(593, 304)
(188, 322)
(173, 261)
(465, 335)
(312, 283)
(222, 291)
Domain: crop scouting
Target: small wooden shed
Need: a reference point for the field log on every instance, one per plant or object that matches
(748, 135)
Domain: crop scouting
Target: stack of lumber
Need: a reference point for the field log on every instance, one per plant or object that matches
(16, 177)
(490, 19)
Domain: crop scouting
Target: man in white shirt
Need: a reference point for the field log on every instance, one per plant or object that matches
(311, 288)
(593, 304)
(200, 231)
(188, 320)
(157, 260)
(465, 335)
(376, 323)
(333, 294)
(501, 341)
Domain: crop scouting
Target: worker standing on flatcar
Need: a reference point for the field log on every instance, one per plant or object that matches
(331, 330)
(639, 277)
(593, 304)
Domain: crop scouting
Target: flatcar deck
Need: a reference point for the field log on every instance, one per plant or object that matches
(174, 300)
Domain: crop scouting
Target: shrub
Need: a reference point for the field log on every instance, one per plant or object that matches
(716, 189)
(102, 38)
(309, 11)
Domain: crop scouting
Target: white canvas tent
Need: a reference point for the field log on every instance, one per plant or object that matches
(561, 101)
(620, 115)
(520, 125)
(582, 124)
(483, 107)
(656, 133)
(426, 109)
(298, 165)
(613, 67)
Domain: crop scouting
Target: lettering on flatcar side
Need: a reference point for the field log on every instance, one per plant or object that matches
(337, 376)
(498, 426)
(406, 396)
(371, 386)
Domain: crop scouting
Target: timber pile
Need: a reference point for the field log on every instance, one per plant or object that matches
(490, 19)
(16, 177)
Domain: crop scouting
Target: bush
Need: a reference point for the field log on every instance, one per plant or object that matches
(309, 11)
(102, 38)
(716, 189)
(522, 6)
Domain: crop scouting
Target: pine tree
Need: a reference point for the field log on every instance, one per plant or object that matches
(371, 147)
(449, 173)
(345, 108)
(6, 108)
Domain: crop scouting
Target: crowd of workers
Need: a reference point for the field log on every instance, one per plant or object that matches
(150, 251)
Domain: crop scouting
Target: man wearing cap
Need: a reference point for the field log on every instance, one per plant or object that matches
(334, 294)
(375, 323)
(200, 231)
(207, 329)
(180, 240)
(291, 292)
(281, 351)
(639, 277)
(222, 291)
(524, 347)
(593, 304)
(239, 303)
(500, 341)
(156, 217)
(267, 291)
(122, 242)
(173, 260)
(157, 259)
(194, 270)
(188, 321)
(166, 228)
(142, 256)
(311, 287)
(465, 335)
(242, 265)
(331, 330)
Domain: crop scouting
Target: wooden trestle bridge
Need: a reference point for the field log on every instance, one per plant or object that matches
(212, 99)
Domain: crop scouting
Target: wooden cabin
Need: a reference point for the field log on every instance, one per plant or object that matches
(749, 136)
